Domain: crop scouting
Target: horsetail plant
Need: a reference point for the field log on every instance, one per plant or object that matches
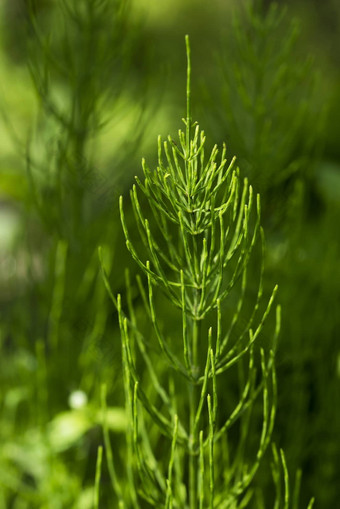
(266, 91)
(188, 341)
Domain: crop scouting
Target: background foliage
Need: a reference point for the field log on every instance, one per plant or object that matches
(86, 87)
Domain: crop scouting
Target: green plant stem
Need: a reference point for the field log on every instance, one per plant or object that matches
(188, 112)
(194, 350)
(192, 456)
(98, 475)
(194, 390)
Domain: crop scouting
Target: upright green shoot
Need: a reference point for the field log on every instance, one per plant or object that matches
(197, 232)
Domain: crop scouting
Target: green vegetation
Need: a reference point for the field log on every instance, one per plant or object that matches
(162, 372)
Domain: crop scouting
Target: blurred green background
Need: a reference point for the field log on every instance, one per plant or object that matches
(86, 87)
